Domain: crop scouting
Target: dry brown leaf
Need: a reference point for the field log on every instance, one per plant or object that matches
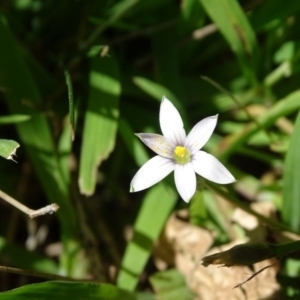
(256, 231)
(187, 244)
(215, 283)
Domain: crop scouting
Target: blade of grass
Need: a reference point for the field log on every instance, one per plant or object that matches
(155, 89)
(71, 104)
(64, 148)
(291, 187)
(59, 290)
(135, 148)
(101, 120)
(13, 119)
(235, 27)
(157, 206)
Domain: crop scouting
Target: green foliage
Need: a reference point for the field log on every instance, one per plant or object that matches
(100, 123)
(79, 78)
(150, 221)
(61, 290)
(291, 188)
(170, 285)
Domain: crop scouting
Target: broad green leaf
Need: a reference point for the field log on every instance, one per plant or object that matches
(101, 120)
(35, 134)
(61, 290)
(157, 206)
(13, 119)
(234, 25)
(291, 175)
(8, 148)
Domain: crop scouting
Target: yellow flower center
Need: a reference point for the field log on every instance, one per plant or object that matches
(181, 155)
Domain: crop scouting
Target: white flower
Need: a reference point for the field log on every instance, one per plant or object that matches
(179, 153)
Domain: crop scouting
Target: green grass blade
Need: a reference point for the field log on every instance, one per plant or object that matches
(154, 89)
(157, 90)
(71, 104)
(67, 290)
(157, 205)
(291, 187)
(235, 27)
(134, 146)
(64, 148)
(13, 119)
(101, 119)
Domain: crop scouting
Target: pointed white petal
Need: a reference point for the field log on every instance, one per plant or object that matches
(158, 143)
(153, 171)
(210, 168)
(200, 134)
(185, 180)
(171, 123)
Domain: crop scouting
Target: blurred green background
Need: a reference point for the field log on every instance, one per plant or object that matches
(79, 78)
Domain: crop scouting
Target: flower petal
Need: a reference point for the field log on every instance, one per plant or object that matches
(158, 143)
(171, 123)
(210, 168)
(200, 134)
(153, 171)
(185, 180)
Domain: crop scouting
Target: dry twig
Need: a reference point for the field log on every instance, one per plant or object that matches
(49, 209)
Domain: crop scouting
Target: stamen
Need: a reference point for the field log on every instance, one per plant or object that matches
(181, 155)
